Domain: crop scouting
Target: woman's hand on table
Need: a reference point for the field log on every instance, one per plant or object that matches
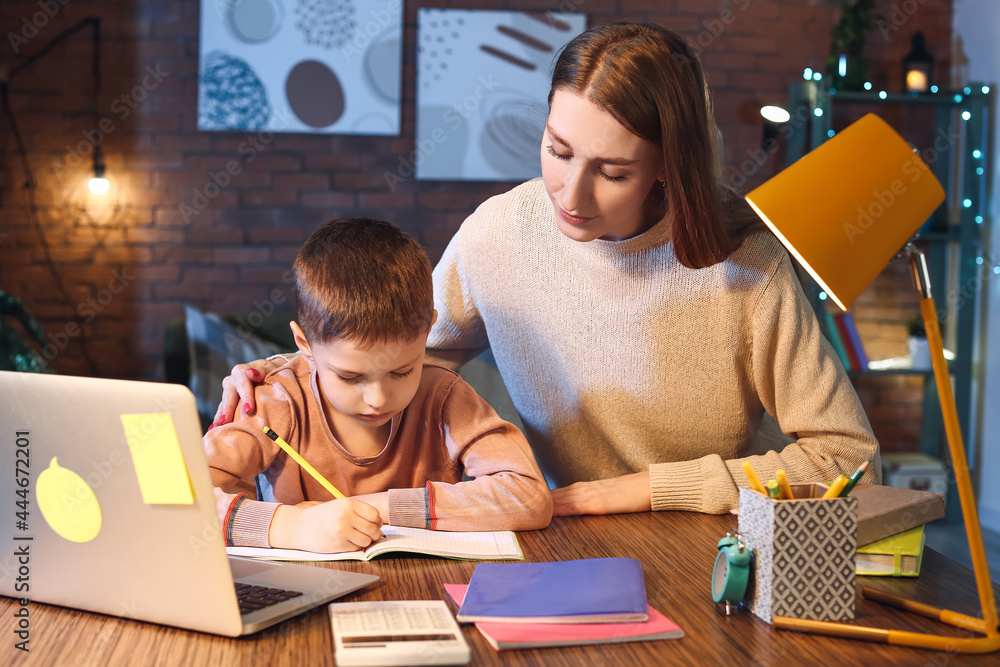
(237, 388)
(617, 495)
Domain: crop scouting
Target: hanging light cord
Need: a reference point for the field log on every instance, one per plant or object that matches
(30, 184)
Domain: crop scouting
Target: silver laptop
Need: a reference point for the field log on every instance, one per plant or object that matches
(110, 531)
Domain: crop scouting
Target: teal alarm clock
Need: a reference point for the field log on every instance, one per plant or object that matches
(731, 573)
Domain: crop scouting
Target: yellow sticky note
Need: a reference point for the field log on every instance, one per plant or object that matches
(159, 464)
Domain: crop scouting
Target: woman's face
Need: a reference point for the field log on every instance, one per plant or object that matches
(597, 173)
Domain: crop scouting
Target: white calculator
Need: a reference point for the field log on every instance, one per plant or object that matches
(402, 632)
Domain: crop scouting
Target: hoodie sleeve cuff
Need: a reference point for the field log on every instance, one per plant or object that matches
(248, 523)
(410, 507)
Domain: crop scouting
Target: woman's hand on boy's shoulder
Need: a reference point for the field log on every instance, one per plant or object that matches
(237, 388)
(339, 525)
(617, 495)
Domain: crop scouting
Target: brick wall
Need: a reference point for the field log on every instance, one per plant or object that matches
(166, 235)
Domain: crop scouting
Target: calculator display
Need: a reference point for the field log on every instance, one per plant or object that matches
(402, 632)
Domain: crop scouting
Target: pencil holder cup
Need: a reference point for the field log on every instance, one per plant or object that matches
(804, 552)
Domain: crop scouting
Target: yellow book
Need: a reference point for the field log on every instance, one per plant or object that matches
(898, 555)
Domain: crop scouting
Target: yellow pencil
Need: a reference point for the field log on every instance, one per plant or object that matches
(302, 462)
(786, 489)
(836, 486)
(753, 479)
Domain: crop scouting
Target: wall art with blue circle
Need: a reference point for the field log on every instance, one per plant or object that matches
(312, 66)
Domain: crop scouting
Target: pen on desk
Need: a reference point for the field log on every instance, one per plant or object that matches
(836, 486)
(302, 462)
(753, 479)
(855, 478)
(786, 489)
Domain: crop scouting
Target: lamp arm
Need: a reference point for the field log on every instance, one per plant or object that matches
(987, 625)
(918, 266)
(956, 446)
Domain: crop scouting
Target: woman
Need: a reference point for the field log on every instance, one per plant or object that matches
(640, 320)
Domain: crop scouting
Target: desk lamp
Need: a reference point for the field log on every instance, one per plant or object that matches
(844, 211)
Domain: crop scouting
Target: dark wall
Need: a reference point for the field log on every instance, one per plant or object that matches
(104, 274)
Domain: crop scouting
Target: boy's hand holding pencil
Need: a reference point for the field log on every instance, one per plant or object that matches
(344, 524)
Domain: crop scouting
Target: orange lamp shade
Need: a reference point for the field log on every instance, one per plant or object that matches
(845, 209)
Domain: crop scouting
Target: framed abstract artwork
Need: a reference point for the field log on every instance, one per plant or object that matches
(482, 85)
(311, 66)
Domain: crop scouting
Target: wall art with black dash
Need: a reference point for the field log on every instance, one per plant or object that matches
(482, 86)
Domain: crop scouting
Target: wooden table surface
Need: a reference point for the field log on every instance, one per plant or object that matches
(677, 550)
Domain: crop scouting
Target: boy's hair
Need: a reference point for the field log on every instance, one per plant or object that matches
(363, 280)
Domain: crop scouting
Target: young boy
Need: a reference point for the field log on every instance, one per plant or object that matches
(359, 405)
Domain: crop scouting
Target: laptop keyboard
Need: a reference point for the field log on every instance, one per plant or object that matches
(252, 598)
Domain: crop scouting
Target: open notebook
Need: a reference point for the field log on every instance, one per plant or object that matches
(489, 545)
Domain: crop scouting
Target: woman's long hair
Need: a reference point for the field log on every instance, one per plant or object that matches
(650, 81)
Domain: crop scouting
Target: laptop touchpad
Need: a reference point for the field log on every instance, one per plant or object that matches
(244, 567)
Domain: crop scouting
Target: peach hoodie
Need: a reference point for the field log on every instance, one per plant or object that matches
(447, 430)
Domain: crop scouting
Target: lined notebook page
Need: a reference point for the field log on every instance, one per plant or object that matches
(488, 545)
(475, 545)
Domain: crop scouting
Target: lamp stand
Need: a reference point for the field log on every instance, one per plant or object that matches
(987, 625)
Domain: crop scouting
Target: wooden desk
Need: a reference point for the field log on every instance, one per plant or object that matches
(677, 550)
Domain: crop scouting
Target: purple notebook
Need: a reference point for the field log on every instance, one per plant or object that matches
(593, 590)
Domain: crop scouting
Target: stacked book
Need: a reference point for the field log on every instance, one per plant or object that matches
(898, 555)
(891, 528)
(567, 603)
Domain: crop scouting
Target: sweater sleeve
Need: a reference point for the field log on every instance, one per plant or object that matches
(506, 490)
(803, 385)
(238, 452)
(459, 334)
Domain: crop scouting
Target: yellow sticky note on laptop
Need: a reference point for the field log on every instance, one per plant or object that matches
(159, 464)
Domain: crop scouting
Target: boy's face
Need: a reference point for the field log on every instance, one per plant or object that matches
(367, 385)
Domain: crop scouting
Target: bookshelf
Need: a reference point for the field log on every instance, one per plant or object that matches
(952, 130)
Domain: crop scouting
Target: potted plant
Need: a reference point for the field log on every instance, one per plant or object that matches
(15, 353)
(846, 64)
(920, 351)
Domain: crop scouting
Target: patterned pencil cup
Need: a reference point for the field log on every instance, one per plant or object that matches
(804, 551)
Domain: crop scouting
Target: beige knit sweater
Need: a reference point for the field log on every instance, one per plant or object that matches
(620, 359)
